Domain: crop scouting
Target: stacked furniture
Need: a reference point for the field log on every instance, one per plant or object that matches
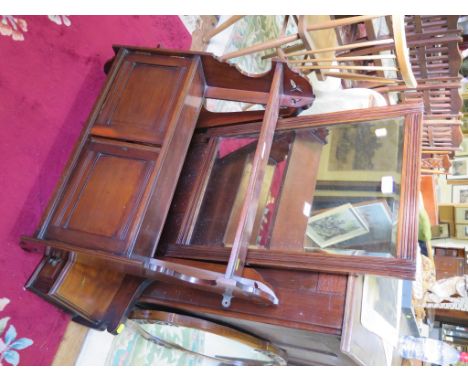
(333, 46)
(414, 57)
(104, 222)
(168, 208)
(436, 61)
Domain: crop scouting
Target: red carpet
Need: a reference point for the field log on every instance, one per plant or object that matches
(48, 85)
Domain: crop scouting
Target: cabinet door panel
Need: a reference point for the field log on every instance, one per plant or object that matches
(100, 204)
(141, 102)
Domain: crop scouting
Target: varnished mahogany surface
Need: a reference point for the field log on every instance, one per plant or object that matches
(308, 300)
(100, 203)
(128, 224)
(312, 304)
(115, 193)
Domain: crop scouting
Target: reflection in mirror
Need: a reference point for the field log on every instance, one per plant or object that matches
(338, 193)
(226, 187)
(355, 205)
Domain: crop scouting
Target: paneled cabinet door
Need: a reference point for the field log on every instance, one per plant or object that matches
(142, 99)
(100, 206)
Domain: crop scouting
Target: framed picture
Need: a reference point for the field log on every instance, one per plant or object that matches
(460, 193)
(381, 306)
(378, 216)
(336, 225)
(379, 219)
(461, 215)
(464, 148)
(365, 151)
(440, 231)
(462, 231)
(459, 169)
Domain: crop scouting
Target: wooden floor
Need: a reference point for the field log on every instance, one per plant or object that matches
(71, 345)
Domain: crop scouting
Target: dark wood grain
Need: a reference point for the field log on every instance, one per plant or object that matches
(79, 280)
(77, 150)
(143, 98)
(315, 260)
(115, 193)
(262, 153)
(100, 204)
(209, 119)
(186, 273)
(301, 304)
(318, 121)
(164, 180)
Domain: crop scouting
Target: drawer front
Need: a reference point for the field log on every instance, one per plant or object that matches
(79, 282)
(448, 266)
(47, 272)
(142, 99)
(100, 205)
(68, 283)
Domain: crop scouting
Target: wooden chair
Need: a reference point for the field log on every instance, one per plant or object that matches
(433, 43)
(436, 60)
(441, 134)
(221, 27)
(435, 162)
(355, 60)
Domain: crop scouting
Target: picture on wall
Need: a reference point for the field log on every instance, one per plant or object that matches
(463, 148)
(440, 231)
(336, 225)
(459, 169)
(461, 214)
(381, 306)
(462, 231)
(460, 193)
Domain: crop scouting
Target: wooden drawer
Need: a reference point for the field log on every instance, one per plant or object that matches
(454, 252)
(142, 99)
(101, 204)
(448, 266)
(47, 272)
(64, 281)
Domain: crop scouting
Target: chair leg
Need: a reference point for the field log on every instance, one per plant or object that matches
(272, 44)
(231, 20)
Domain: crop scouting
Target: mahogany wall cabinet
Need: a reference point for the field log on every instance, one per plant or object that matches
(103, 224)
(163, 203)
